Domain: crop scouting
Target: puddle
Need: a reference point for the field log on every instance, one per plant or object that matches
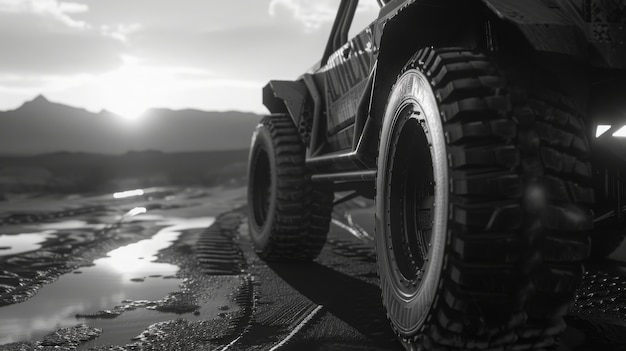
(99, 287)
(121, 330)
(71, 224)
(134, 261)
(19, 243)
(12, 244)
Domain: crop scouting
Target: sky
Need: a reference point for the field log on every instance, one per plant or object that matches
(129, 55)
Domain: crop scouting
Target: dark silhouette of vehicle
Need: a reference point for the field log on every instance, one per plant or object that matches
(491, 135)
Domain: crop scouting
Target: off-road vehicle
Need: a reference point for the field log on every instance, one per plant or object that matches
(492, 136)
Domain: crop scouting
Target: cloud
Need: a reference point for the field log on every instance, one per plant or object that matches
(258, 53)
(315, 14)
(312, 14)
(33, 84)
(72, 7)
(59, 11)
(55, 52)
(40, 37)
(119, 32)
(189, 15)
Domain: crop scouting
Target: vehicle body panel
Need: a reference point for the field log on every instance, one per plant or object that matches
(345, 77)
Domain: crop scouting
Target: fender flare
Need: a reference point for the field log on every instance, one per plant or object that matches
(549, 25)
(546, 25)
(285, 96)
(291, 97)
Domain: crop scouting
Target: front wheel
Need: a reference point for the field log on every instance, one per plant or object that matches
(476, 250)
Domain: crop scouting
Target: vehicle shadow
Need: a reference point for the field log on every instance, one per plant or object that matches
(354, 301)
(596, 320)
(358, 303)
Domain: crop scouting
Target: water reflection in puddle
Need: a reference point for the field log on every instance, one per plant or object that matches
(123, 329)
(134, 261)
(99, 287)
(72, 224)
(19, 243)
(13, 244)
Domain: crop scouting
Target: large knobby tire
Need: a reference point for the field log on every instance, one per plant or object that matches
(479, 232)
(288, 217)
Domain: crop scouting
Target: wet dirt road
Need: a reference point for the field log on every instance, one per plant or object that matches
(173, 269)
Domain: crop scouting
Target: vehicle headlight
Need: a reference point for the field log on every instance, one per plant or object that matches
(601, 129)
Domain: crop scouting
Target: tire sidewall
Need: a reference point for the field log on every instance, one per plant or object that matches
(408, 312)
(261, 142)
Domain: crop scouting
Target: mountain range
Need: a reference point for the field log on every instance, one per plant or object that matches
(41, 126)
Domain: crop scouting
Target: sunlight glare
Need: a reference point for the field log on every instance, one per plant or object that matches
(130, 90)
(138, 258)
(136, 211)
(128, 193)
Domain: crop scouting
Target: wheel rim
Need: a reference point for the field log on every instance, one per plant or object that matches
(411, 265)
(412, 189)
(261, 187)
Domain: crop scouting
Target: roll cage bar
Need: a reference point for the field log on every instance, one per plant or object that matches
(341, 26)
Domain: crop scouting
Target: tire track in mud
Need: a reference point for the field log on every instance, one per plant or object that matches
(262, 322)
(217, 250)
(333, 302)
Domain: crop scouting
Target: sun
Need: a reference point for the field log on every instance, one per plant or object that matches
(138, 85)
(128, 109)
(131, 89)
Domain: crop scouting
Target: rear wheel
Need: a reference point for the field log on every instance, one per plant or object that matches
(479, 240)
(288, 217)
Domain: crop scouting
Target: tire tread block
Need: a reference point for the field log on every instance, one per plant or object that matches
(480, 131)
(494, 185)
(484, 248)
(476, 108)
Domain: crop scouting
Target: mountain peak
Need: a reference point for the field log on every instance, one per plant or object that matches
(38, 102)
(40, 99)
(106, 113)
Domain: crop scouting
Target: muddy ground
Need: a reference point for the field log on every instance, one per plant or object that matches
(173, 269)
